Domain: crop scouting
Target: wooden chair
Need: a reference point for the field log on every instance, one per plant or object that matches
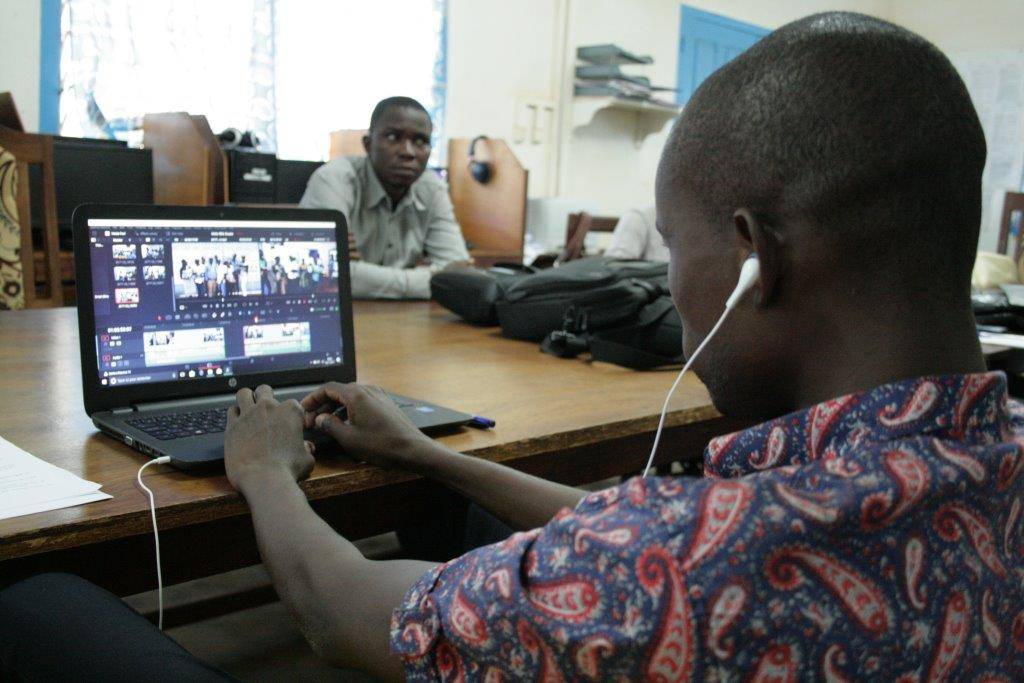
(1012, 203)
(576, 229)
(40, 278)
(347, 143)
(492, 216)
(188, 165)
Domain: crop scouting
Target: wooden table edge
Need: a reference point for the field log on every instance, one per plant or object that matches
(93, 530)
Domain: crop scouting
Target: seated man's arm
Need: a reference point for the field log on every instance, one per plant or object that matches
(371, 281)
(443, 243)
(341, 600)
(379, 432)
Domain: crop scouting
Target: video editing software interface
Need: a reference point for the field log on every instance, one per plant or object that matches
(188, 299)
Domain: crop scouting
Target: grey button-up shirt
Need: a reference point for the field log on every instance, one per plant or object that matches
(390, 242)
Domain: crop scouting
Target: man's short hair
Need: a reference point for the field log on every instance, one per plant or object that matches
(390, 103)
(852, 124)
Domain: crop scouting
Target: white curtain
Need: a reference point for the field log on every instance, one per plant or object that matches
(290, 70)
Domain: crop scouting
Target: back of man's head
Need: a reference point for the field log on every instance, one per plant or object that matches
(851, 124)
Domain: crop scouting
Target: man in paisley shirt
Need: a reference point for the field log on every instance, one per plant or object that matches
(873, 531)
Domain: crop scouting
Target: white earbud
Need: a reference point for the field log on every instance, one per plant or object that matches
(749, 273)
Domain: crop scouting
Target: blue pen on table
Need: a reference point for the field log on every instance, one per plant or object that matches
(481, 422)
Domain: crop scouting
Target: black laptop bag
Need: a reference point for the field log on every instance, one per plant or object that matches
(607, 291)
(471, 293)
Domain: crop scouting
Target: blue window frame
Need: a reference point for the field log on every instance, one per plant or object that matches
(706, 42)
(49, 67)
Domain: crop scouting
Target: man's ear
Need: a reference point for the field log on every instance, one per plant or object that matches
(761, 239)
(366, 144)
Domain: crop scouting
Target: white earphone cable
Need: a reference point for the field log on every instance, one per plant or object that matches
(749, 273)
(664, 408)
(156, 538)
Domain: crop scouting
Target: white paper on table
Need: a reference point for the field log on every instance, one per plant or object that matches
(1015, 341)
(8, 513)
(28, 484)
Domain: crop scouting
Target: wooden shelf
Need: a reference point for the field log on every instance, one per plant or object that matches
(649, 118)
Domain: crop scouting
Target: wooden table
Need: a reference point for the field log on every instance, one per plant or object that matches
(567, 420)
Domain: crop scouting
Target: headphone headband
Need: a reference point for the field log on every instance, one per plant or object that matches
(472, 145)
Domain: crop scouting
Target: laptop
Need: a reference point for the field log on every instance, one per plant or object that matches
(180, 307)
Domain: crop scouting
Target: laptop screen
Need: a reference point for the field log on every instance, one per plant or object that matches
(191, 299)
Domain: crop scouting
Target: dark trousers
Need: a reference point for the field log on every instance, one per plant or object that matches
(454, 527)
(58, 627)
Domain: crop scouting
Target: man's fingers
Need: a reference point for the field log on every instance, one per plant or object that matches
(315, 398)
(245, 399)
(332, 392)
(264, 393)
(337, 429)
(310, 447)
(232, 415)
(309, 419)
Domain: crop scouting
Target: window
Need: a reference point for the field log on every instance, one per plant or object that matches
(290, 70)
(706, 42)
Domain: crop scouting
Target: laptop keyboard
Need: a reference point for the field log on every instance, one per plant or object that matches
(180, 425)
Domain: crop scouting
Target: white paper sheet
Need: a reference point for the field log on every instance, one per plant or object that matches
(1014, 341)
(29, 485)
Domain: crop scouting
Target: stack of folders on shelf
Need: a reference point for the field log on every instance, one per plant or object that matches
(29, 485)
(602, 76)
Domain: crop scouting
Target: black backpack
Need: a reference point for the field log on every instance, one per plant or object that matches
(471, 293)
(606, 291)
(617, 309)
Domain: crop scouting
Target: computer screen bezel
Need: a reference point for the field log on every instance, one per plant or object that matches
(99, 398)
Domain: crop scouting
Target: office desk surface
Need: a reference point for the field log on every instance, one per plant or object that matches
(568, 420)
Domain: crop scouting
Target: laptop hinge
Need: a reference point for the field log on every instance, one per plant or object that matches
(216, 399)
(195, 402)
(122, 411)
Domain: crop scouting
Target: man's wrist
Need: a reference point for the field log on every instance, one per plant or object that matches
(424, 454)
(262, 482)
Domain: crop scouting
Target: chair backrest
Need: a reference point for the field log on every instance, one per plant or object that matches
(188, 164)
(40, 287)
(1012, 203)
(576, 228)
(347, 143)
(492, 216)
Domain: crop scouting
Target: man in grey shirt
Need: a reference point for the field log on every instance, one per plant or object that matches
(399, 218)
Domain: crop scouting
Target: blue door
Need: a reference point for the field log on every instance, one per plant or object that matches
(706, 42)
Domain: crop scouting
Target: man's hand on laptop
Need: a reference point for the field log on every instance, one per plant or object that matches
(263, 440)
(371, 427)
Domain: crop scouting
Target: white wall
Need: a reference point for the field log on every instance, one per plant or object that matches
(601, 160)
(19, 56)
(964, 25)
(500, 55)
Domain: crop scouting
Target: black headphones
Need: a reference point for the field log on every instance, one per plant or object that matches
(480, 170)
(232, 138)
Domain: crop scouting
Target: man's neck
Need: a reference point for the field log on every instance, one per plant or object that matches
(876, 351)
(395, 194)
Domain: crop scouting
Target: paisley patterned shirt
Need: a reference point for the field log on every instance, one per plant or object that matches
(876, 535)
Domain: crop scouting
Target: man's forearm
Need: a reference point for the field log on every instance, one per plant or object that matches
(520, 500)
(370, 281)
(341, 600)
